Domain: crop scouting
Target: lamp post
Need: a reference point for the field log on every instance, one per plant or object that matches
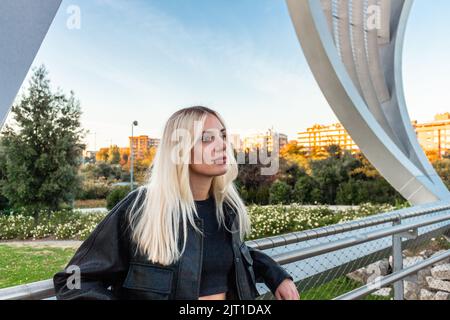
(135, 123)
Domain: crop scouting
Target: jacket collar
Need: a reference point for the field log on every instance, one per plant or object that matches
(230, 215)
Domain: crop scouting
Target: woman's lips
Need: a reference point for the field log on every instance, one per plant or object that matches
(222, 160)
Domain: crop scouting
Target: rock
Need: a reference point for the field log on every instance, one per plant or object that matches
(384, 292)
(440, 295)
(407, 261)
(371, 272)
(359, 275)
(412, 278)
(439, 285)
(426, 253)
(411, 290)
(426, 295)
(422, 277)
(410, 261)
(445, 261)
(377, 269)
(441, 272)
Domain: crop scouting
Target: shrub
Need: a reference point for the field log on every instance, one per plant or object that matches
(304, 190)
(116, 195)
(94, 190)
(280, 192)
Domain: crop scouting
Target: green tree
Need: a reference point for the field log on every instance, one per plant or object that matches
(40, 159)
(280, 192)
(306, 190)
(114, 155)
(333, 171)
(251, 182)
(355, 192)
(442, 167)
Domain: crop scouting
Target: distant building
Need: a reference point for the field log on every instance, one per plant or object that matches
(263, 140)
(153, 142)
(322, 136)
(434, 136)
(236, 142)
(141, 145)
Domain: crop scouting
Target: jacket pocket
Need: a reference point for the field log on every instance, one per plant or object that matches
(147, 281)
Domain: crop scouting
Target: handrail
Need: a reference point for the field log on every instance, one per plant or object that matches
(295, 255)
(31, 291)
(295, 237)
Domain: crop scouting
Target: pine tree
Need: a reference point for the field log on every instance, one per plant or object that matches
(40, 158)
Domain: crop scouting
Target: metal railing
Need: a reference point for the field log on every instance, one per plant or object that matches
(332, 252)
(317, 257)
(32, 291)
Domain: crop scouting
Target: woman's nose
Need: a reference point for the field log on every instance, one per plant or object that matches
(221, 145)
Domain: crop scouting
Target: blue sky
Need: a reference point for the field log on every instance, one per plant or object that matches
(142, 60)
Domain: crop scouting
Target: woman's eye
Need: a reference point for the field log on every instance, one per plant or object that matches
(207, 138)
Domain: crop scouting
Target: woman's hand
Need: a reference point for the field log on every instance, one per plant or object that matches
(287, 291)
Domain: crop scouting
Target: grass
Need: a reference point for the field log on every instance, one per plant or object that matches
(335, 288)
(21, 265)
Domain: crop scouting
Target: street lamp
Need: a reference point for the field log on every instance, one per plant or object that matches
(135, 123)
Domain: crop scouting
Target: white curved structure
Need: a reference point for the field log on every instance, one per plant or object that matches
(354, 49)
(23, 26)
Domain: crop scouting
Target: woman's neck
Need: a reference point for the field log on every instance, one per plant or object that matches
(200, 186)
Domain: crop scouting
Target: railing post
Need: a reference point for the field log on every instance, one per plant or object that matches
(397, 261)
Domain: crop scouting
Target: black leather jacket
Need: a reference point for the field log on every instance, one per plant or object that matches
(110, 268)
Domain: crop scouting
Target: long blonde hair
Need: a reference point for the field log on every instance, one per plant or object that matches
(168, 200)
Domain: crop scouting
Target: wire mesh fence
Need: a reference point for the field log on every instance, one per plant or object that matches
(337, 271)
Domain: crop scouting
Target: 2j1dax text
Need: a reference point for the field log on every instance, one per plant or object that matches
(229, 310)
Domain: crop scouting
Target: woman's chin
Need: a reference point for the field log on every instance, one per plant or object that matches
(219, 169)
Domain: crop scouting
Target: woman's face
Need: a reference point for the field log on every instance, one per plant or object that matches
(208, 157)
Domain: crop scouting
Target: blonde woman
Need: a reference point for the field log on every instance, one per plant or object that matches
(179, 236)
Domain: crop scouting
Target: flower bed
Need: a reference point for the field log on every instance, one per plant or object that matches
(266, 221)
(280, 219)
(61, 225)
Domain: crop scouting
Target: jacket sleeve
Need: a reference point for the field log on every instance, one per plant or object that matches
(268, 270)
(100, 262)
